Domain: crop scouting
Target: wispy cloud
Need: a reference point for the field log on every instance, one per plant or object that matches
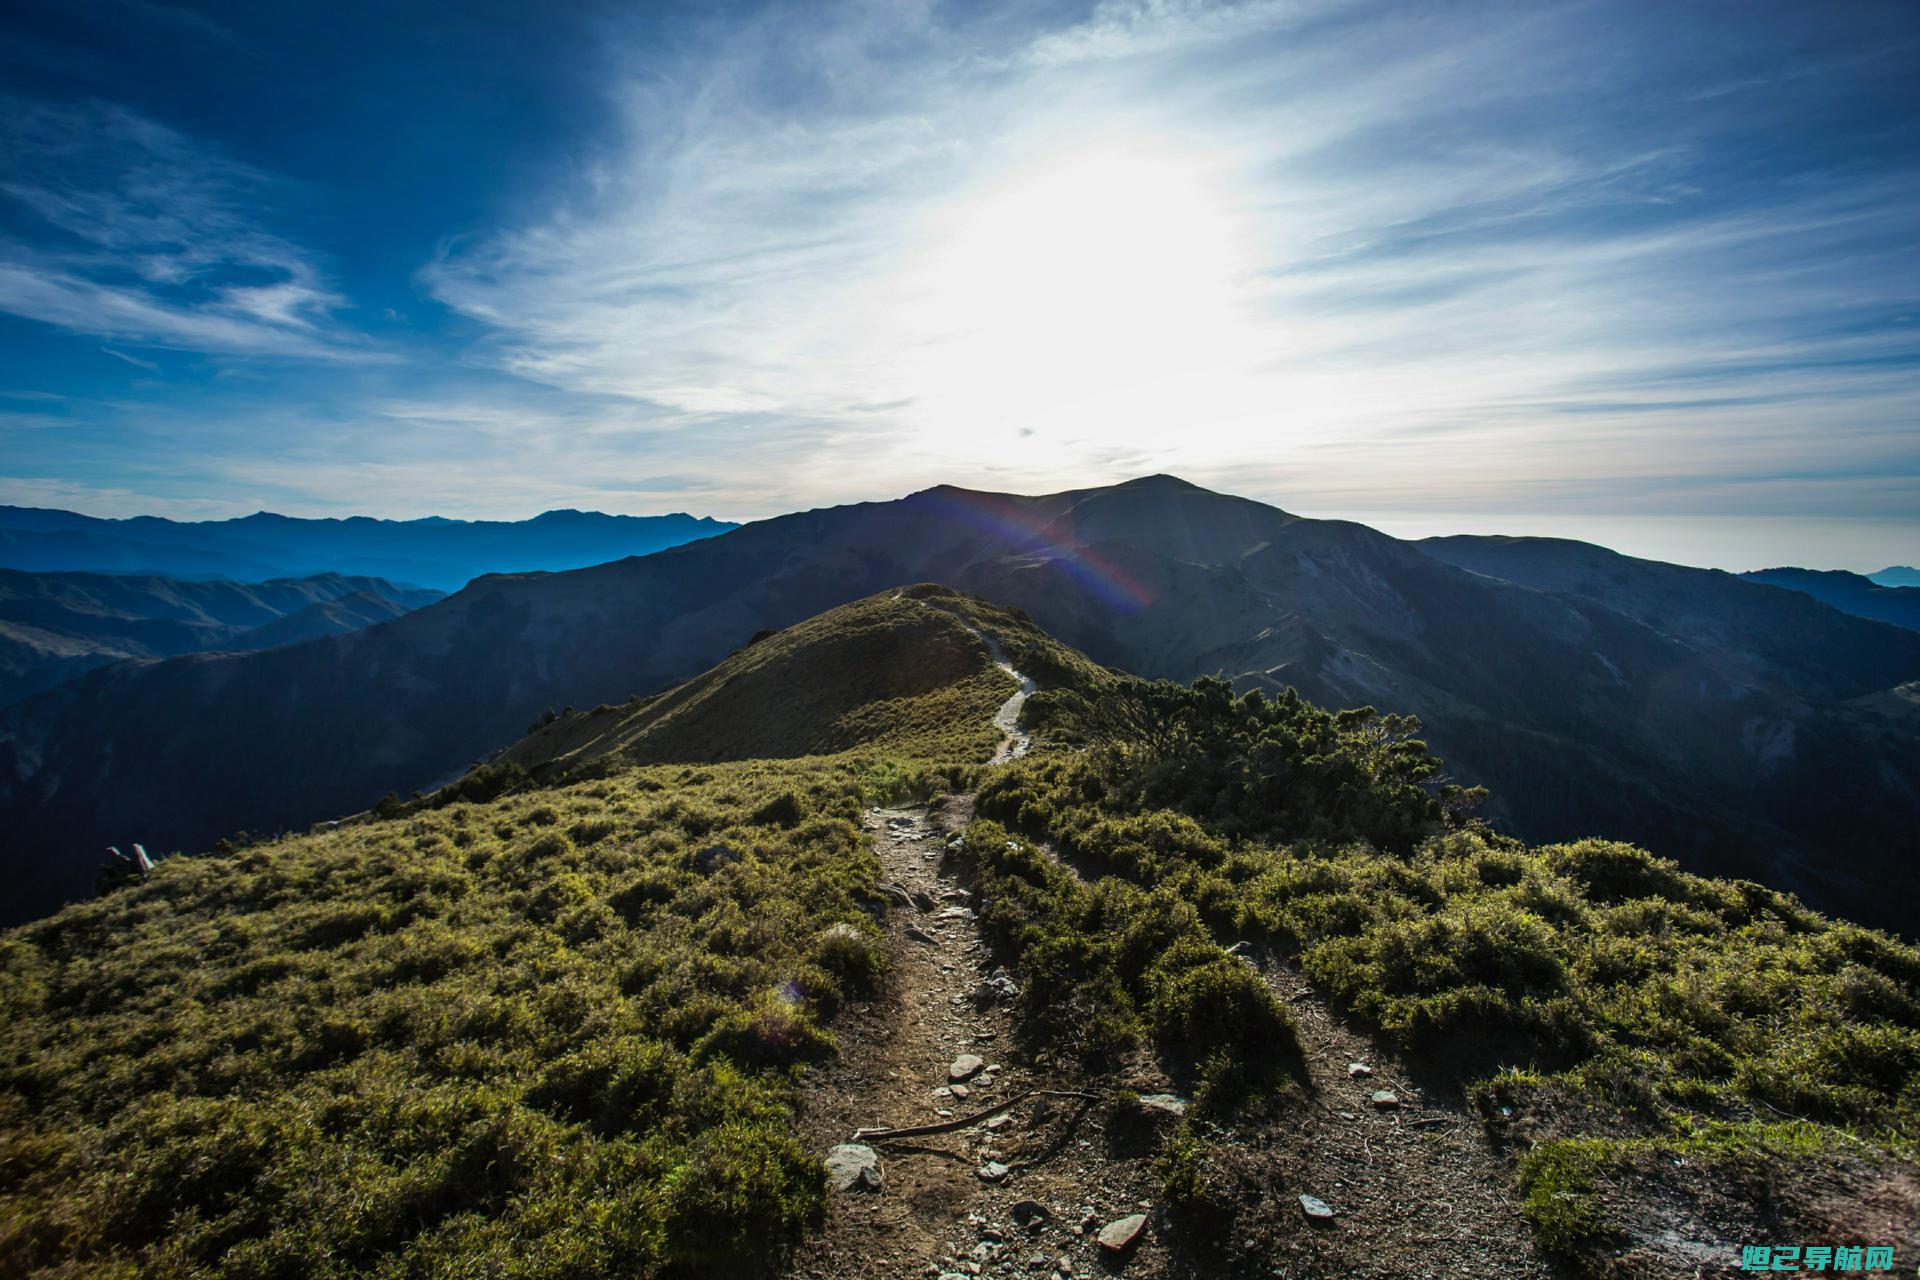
(1340, 255)
(125, 229)
(135, 361)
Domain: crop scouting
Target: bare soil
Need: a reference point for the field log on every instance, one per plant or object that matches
(934, 1215)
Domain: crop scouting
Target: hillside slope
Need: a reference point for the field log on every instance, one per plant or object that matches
(900, 670)
(1734, 746)
(611, 1022)
(54, 626)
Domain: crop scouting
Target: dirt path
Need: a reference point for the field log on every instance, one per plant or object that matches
(933, 1214)
(1014, 743)
(1415, 1188)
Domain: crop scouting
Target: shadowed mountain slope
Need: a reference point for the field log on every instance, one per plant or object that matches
(53, 626)
(1848, 592)
(1731, 737)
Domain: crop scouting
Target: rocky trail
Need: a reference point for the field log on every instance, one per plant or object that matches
(1027, 1192)
(1369, 1174)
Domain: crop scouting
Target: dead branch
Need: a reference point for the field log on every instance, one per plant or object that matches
(967, 1122)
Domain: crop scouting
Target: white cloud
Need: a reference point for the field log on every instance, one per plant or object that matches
(1330, 257)
(147, 238)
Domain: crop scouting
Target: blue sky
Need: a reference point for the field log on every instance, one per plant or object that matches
(1648, 275)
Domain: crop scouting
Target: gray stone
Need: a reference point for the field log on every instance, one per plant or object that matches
(1170, 1103)
(918, 934)
(1384, 1100)
(995, 990)
(1121, 1234)
(992, 1171)
(896, 895)
(1359, 1070)
(1029, 1213)
(853, 1167)
(1316, 1208)
(965, 1067)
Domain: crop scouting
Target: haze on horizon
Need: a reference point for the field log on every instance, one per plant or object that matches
(1644, 276)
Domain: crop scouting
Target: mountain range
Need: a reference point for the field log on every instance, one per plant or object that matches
(1741, 728)
(432, 552)
(54, 626)
(1898, 575)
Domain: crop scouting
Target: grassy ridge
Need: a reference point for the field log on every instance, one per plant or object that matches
(902, 671)
(513, 1028)
(550, 1021)
(544, 1035)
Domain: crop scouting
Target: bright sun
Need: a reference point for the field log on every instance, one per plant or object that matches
(1099, 297)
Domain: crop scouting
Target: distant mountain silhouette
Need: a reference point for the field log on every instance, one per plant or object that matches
(432, 552)
(1848, 592)
(54, 626)
(1739, 727)
(1898, 575)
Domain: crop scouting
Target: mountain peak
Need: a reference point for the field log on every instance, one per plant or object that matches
(1161, 480)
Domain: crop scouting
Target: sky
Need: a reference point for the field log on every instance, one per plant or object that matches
(1647, 275)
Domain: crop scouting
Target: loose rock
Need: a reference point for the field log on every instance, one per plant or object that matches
(1316, 1208)
(1029, 1213)
(1359, 1070)
(965, 1067)
(1384, 1100)
(853, 1167)
(995, 990)
(992, 1171)
(1120, 1235)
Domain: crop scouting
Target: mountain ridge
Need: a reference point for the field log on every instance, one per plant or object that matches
(1582, 716)
(1852, 593)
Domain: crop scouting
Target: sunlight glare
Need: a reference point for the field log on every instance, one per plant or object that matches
(1098, 297)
